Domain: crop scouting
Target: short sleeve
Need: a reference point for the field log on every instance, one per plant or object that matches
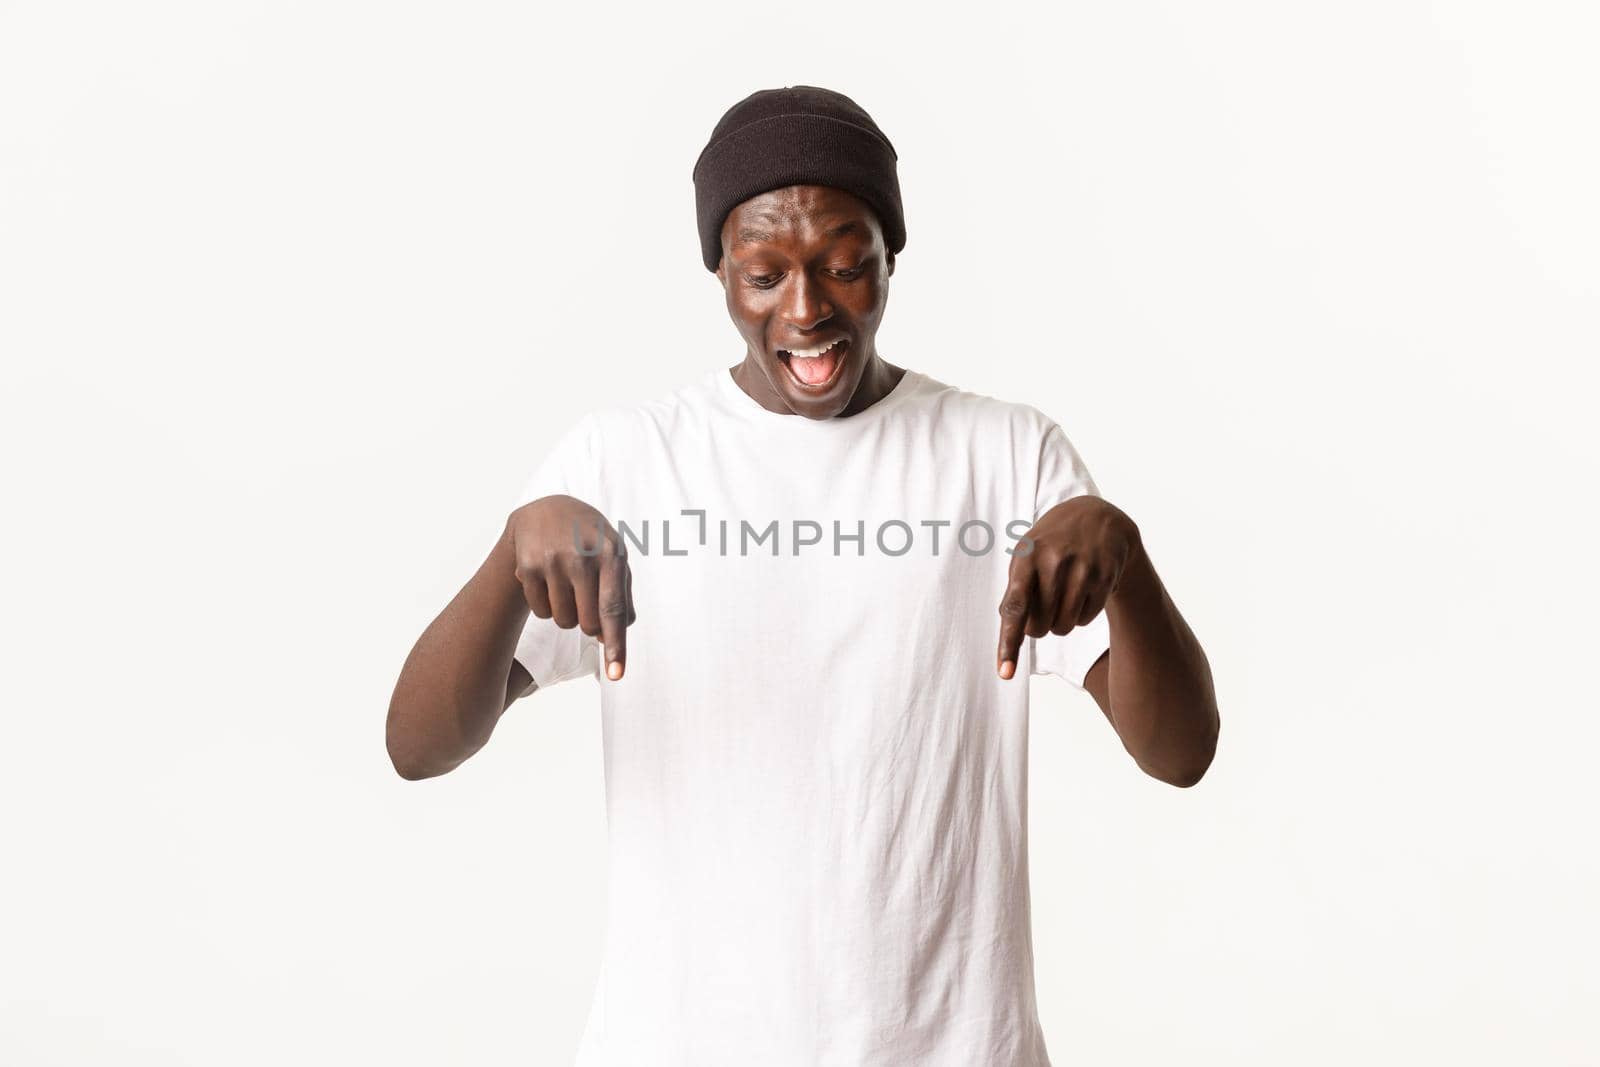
(568, 468)
(549, 653)
(1069, 656)
(1062, 476)
(1062, 473)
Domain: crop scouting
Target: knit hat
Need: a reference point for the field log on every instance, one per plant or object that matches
(798, 135)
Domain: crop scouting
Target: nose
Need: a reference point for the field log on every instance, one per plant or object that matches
(804, 305)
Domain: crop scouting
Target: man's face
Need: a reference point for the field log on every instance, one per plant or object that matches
(804, 267)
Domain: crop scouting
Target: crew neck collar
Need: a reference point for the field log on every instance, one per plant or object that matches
(746, 406)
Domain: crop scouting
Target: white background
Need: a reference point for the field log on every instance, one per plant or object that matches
(294, 296)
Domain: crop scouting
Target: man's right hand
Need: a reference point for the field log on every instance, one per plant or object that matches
(573, 568)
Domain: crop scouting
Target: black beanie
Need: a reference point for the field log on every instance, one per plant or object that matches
(799, 135)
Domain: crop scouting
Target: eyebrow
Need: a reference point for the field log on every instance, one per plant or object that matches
(748, 235)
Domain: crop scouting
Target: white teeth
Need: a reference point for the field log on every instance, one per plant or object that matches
(810, 353)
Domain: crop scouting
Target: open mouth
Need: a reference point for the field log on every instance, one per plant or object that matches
(815, 368)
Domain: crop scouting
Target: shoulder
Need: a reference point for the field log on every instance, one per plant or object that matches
(590, 450)
(664, 415)
(1016, 419)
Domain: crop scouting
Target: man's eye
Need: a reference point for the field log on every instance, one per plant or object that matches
(762, 281)
(848, 272)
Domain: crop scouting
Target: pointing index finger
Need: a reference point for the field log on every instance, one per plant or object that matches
(1014, 608)
(616, 610)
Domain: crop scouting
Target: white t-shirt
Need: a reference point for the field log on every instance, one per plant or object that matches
(816, 782)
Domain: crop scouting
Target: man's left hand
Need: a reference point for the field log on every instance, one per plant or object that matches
(1080, 550)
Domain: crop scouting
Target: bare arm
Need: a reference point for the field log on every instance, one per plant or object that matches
(460, 676)
(557, 558)
(1154, 684)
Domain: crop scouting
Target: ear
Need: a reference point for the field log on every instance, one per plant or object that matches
(890, 256)
(720, 277)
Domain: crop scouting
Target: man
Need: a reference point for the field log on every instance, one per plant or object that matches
(815, 735)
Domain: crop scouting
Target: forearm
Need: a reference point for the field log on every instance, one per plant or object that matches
(452, 689)
(1163, 703)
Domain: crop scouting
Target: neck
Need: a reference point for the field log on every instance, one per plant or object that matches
(877, 382)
